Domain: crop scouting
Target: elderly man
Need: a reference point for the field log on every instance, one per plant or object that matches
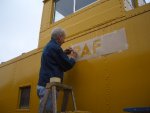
(54, 62)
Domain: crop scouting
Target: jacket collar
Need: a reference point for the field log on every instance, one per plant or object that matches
(54, 41)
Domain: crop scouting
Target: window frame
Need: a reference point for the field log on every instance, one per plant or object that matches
(19, 97)
(74, 10)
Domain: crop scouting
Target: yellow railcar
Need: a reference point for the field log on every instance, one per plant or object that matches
(112, 72)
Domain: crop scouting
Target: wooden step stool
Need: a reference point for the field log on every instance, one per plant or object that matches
(53, 86)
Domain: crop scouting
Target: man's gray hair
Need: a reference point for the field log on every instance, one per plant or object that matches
(56, 32)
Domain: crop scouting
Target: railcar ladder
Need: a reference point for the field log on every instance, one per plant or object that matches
(52, 88)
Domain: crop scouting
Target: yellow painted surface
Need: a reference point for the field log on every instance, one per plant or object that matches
(76, 112)
(74, 24)
(105, 84)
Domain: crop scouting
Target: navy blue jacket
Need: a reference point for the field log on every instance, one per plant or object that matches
(54, 62)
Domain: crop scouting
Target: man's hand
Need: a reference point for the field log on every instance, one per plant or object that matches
(68, 51)
(71, 53)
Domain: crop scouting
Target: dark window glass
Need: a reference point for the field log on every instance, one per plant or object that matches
(63, 8)
(82, 3)
(24, 97)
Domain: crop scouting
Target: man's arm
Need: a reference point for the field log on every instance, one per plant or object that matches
(63, 60)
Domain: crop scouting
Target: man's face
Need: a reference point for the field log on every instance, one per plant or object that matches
(61, 39)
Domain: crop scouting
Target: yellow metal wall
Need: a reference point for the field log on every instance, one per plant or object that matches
(105, 84)
(22, 71)
(97, 14)
(113, 82)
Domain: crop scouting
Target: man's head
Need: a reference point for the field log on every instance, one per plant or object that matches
(59, 35)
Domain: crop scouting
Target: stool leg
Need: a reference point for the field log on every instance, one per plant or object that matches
(74, 102)
(45, 100)
(65, 100)
(54, 105)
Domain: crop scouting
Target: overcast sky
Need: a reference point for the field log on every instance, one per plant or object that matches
(19, 27)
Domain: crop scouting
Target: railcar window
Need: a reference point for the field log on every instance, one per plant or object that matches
(131, 4)
(24, 97)
(62, 9)
(82, 3)
(66, 7)
(128, 5)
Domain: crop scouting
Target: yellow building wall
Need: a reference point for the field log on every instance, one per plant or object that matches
(6, 83)
(116, 81)
(105, 84)
(97, 14)
(19, 72)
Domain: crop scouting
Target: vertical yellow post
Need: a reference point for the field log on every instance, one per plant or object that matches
(135, 3)
(52, 11)
(47, 15)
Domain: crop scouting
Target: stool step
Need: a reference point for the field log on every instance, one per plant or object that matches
(59, 86)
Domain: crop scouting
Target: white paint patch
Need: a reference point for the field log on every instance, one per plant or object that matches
(102, 45)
